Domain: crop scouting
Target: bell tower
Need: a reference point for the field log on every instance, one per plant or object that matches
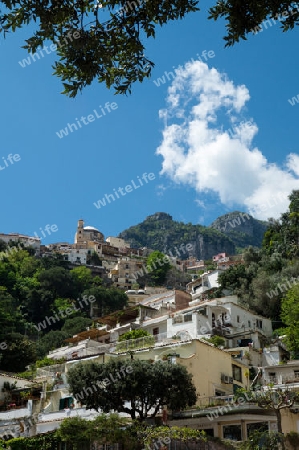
(80, 232)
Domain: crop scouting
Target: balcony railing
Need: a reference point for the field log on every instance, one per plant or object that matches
(147, 341)
(49, 371)
(15, 413)
(63, 413)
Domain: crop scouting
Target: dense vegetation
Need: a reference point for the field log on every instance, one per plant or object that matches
(34, 289)
(80, 434)
(134, 387)
(104, 41)
(267, 281)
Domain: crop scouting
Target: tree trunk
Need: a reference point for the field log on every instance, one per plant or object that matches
(278, 416)
(279, 427)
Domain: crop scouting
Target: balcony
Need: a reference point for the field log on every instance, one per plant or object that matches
(148, 341)
(65, 413)
(16, 412)
(113, 347)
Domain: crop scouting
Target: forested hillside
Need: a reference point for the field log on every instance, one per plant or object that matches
(229, 233)
(161, 232)
(268, 282)
(42, 302)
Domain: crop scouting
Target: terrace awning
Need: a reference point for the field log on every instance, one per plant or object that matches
(92, 334)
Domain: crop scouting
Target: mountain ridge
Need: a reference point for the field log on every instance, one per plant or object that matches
(229, 233)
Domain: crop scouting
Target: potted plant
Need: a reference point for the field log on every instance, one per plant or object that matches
(25, 395)
(247, 355)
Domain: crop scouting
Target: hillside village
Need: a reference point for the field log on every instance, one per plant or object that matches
(161, 310)
(113, 258)
(226, 347)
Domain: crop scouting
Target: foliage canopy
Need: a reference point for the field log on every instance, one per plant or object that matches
(104, 40)
(135, 387)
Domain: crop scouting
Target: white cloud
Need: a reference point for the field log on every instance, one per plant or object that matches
(200, 203)
(293, 163)
(199, 152)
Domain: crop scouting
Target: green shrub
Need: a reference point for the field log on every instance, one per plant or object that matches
(264, 440)
(218, 341)
(133, 334)
(48, 362)
(132, 340)
(46, 441)
(293, 438)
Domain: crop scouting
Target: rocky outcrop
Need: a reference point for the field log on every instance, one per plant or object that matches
(160, 232)
(243, 229)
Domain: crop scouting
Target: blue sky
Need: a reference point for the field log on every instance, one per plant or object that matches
(57, 181)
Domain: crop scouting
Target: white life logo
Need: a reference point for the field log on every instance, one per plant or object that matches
(9, 160)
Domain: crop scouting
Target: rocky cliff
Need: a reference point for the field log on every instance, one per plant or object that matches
(160, 232)
(227, 234)
(242, 228)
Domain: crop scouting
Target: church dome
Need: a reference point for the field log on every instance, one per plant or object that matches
(85, 234)
(91, 229)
